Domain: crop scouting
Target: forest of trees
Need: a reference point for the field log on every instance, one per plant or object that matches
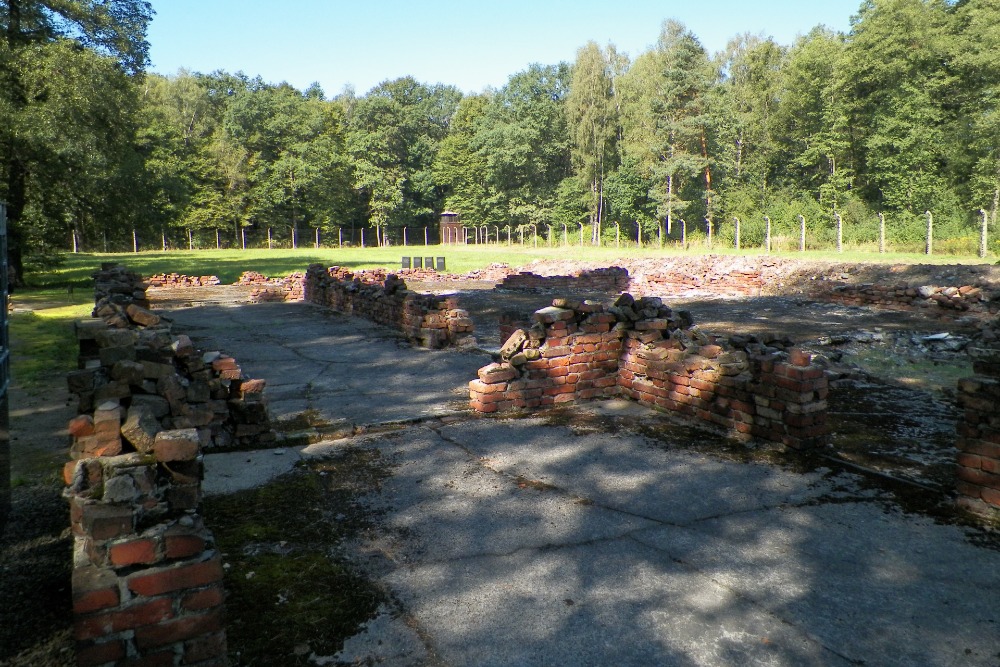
(899, 116)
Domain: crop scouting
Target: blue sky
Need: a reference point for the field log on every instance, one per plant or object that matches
(464, 43)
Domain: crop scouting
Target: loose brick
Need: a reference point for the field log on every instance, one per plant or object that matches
(176, 577)
(179, 629)
(176, 445)
(133, 552)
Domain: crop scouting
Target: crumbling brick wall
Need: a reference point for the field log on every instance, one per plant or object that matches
(644, 350)
(147, 578)
(978, 440)
(735, 282)
(181, 280)
(610, 279)
(426, 319)
(948, 301)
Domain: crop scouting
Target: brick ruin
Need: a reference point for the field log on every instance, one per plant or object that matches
(425, 319)
(147, 579)
(979, 427)
(610, 279)
(642, 349)
(945, 301)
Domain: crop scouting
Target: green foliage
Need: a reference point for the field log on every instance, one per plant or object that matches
(43, 341)
(67, 108)
(900, 115)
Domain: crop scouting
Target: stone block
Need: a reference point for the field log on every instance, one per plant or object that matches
(142, 316)
(129, 372)
(513, 344)
(552, 314)
(109, 356)
(177, 445)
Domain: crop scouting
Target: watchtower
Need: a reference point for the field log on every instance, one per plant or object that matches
(451, 228)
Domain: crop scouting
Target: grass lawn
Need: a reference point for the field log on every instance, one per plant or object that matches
(43, 343)
(77, 269)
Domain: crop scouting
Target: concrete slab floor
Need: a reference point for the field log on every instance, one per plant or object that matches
(520, 542)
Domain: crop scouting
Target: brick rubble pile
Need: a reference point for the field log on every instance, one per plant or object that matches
(180, 280)
(608, 279)
(268, 290)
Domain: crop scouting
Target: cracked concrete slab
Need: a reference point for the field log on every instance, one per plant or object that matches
(520, 542)
(512, 550)
(341, 367)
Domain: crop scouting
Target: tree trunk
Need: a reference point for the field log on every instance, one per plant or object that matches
(17, 171)
(708, 187)
(982, 233)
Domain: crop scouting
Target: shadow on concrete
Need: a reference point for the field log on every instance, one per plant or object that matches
(514, 542)
(511, 541)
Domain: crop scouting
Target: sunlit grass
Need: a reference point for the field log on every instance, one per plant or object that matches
(916, 373)
(78, 268)
(43, 343)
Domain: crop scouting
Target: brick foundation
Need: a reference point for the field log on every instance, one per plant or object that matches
(942, 301)
(181, 280)
(425, 319)
(147, 579)
(645, 351)
(978, 443)
(754, 278)
(611, 279)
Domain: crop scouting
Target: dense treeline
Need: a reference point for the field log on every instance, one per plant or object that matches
(899, 116)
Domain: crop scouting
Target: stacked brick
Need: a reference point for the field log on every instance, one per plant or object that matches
(642, 349)
(753, 392)
(147, 579)
(610, 279)
(732, 281)
(269, 290)
(978, 442)
(570, 352)
(425, 319)
(946, 301)
(180, 280)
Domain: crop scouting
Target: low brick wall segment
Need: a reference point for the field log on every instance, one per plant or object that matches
(642, 349)
(147, 578)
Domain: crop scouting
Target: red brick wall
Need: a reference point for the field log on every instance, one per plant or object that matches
(426, 319)
(979, 434)
(643, 350)
(147, 578)
(611, 279)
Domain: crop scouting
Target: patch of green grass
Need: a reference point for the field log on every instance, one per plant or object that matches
(915, 373)
(43, 343)
(290, 593)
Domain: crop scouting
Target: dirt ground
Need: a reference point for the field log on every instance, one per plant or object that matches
(36, 546)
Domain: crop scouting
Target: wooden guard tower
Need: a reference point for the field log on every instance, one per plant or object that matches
(451, 228)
